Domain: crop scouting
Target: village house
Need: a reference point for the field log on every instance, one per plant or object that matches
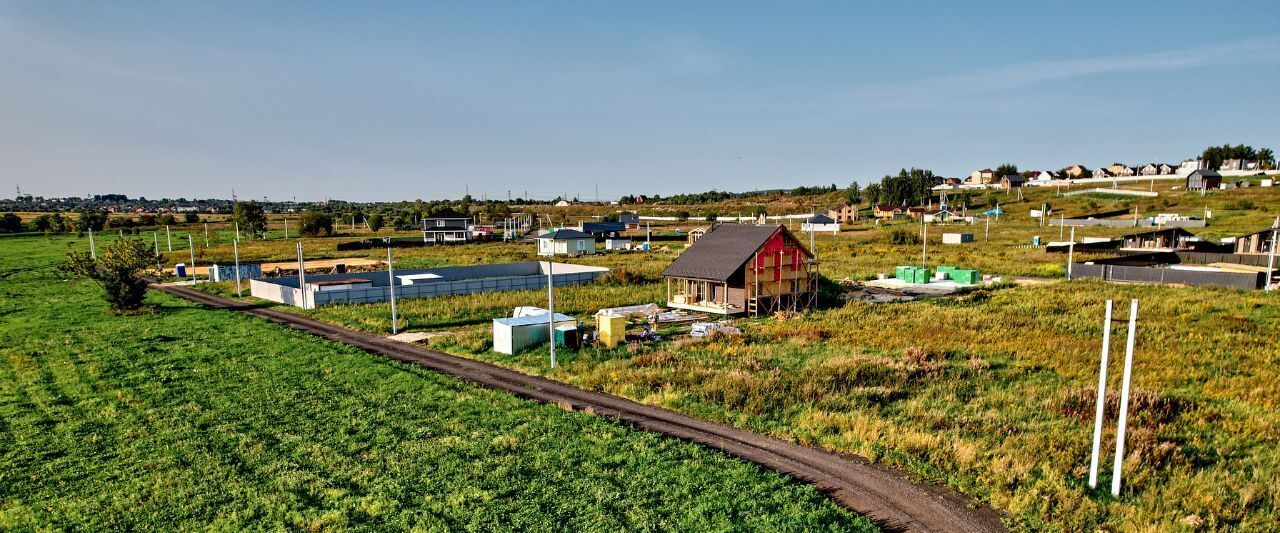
(985, 176)
(1149, 169)
(1041, 175)
(1074, 171)
(1256, 243)
(1012, 181)
(844, 214)
(446, 227)
(631, 220)
(1120, 169)
(889, 211)
(1102, 172)
(917, 212)
(696, 233)
(602, 230)
(1166, 168)
(1204, 179)
(740, 268)
(820, 223)
(1161, 239)
(566, 242)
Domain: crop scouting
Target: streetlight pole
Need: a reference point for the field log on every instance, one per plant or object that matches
(191, 245)
(391, 280)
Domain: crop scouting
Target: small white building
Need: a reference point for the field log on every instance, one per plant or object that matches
(566, 242)
(957, 238)
(510, 335)
(820, 223)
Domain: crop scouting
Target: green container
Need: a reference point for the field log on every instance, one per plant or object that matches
(923, 275)
(967, 277)
(903, 273)
(947, 269)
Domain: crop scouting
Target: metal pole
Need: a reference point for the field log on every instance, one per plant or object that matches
(235, 247)
(206, 234)
(1102, 395)
(286, 227)
(391, 279)
(1271, 256)
(924, 243)
(302, 276)
(986, 237)
(155, 238)
(551, 312)
(167, 238)
(191, 245)
(93, 250)
(1071, 251)
(1124, 397)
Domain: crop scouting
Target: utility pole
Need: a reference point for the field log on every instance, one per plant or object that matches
(1271, 256)
(235, 247)
(391, 280)
(1100, 408)
(551, 310)
(1124, 397)
(237, 230)
(286, 226)
(206, 234)
(302, 276)
(155, 238)
(93, 250)
(191, 245)
(167, 238)
(986, 237)
(1071, 252)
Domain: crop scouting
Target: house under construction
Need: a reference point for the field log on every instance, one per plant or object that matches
(743, 269)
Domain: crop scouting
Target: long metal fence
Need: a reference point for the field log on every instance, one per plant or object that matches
(1140, 274)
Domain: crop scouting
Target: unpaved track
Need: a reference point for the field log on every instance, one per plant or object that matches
(881, 494)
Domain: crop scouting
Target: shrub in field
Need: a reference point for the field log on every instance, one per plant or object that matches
(316, 223)
(903, 236)
(118, 270)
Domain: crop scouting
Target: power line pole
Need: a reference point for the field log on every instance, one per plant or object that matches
(391, 280)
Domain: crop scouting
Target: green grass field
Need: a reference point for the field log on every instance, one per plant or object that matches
(989, 393)
(187, 418)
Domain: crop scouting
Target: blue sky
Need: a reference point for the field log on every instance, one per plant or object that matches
(384, 101)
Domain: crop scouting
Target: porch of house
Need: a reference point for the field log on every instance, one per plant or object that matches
(705, 296)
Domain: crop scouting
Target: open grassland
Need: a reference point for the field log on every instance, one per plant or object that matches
(990, 393)
(187, 418)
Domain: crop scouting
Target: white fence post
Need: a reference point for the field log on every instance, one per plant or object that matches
(1124, 397)
(1102, 398)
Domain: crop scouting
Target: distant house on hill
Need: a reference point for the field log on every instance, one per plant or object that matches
(844, 214)
(1074, 171)
(445, 227)
(631, 220)
(1102, 172)
(985, 176)
(1012, 181)
(740, 268)
(1120, 169)
(889, 211)
(1204, 179)
(1166, 168)
(1149, 169)
(1161, 239)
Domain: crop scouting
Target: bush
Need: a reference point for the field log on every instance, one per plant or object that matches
(117, 270)
(903, 236)
(316, 223)
(191, 218)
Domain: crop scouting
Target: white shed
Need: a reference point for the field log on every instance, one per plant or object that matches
(956, 238)
(566, 242)
(510, 335)
(820, 223)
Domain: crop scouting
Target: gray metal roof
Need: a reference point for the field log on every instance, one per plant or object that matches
(532, 320)
(566, 234)
(721, 252)
(821, 219)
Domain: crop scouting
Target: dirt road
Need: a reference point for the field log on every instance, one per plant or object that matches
(882, 494)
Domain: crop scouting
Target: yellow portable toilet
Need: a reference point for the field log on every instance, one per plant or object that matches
(613, 329)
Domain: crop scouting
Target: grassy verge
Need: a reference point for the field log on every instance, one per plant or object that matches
(187, 418)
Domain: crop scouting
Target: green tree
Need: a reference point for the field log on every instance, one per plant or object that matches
(167, 220)
(117, 270)
(853, 195)
(10, 223)
(316, 223)
(682, 216)
(251, 218)
(91, 219)
(1007, 169)
(1266, 159)
(376, 222)
(190, 218)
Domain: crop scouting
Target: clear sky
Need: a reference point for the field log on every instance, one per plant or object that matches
(385, 101)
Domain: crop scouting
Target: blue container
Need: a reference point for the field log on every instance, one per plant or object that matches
(181, 269)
